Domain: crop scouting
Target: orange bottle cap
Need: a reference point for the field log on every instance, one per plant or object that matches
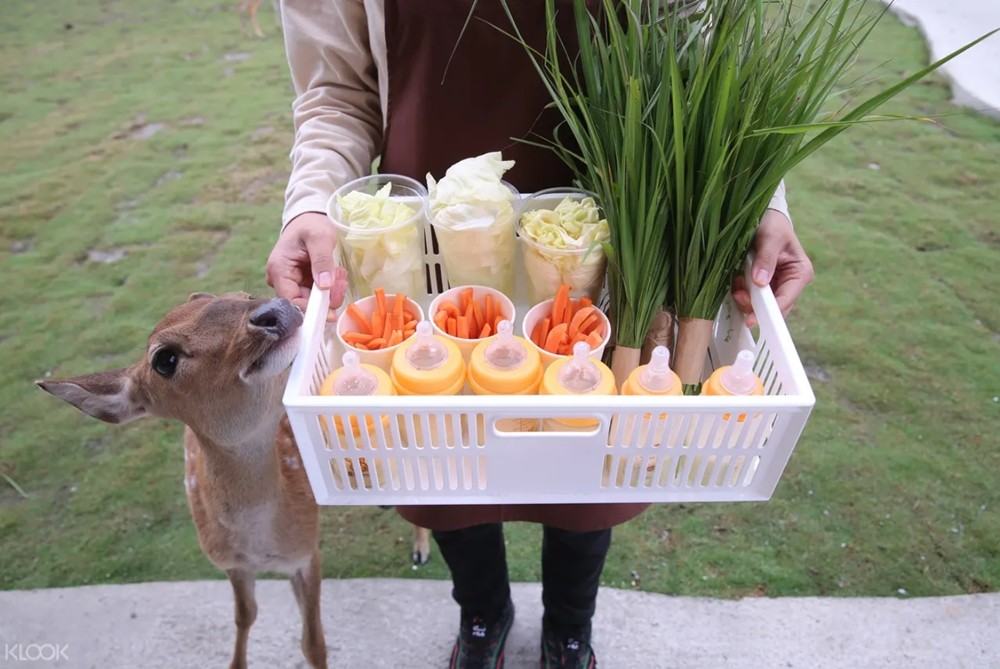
(504, 365)
(427, 364)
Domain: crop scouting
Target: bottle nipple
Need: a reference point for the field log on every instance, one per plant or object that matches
(580, 374)
(426, 352)
(355, 379)
(505, 352)
(739, 378)
(656, 377)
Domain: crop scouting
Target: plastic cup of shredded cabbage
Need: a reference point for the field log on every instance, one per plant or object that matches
(477, 241)
(557, 250)
(380, 233)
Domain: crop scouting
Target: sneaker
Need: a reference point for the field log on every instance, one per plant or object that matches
(480, 643)
(570, 651)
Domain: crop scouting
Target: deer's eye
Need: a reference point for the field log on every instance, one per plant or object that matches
(165, 362)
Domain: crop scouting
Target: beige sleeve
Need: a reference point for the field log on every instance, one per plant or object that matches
(336, 112)
(778, 201)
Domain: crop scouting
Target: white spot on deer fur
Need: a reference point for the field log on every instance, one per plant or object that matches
(191, 482)
(292, 462)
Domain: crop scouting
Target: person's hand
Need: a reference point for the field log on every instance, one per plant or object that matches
(779, 260)
(304, 254)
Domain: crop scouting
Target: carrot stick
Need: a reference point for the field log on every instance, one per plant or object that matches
(594, 340)
(359, 318)
(490, 309)
(480, 317)
(546, 324)
(397, 311)
(555, 338)
(450, 309)
(463, 327)
(589, 324)
(440, 319)
(578, 318)
(383, 307)
(395, 338)
(363, 347)
(387, 327)
(485, 332)
(357, 338)
(378, 323)
(570, 311)
(466, 296)
(537, 333)
(408, 332)
(452, 327)
(559, 303)
(585, 301)
(376, 344)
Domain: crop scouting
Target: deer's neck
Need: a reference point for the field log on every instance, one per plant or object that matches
(242, 474)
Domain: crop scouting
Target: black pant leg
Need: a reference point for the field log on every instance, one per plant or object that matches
(477, 559)
(571, 574)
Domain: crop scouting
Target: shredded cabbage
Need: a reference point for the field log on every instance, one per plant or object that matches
(567, 248)
(377, 255)
(572, 225)
(473, 214)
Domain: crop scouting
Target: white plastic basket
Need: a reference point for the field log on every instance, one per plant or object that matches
(646, 449)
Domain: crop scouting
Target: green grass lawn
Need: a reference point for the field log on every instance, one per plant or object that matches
(144, 157)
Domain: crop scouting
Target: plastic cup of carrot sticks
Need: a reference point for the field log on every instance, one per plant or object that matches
(468, 314)
(376, 325)
(555, 325)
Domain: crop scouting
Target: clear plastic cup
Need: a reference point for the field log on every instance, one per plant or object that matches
(546, 267)
(481, 255)
(390, 257)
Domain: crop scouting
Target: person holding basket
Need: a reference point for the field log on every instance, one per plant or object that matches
(390, 80)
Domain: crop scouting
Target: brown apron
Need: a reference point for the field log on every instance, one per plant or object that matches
(489, 94)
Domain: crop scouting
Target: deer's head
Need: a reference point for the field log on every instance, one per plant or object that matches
(218, 364)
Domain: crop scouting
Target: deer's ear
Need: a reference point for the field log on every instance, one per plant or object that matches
(200, 296)
(105, 395)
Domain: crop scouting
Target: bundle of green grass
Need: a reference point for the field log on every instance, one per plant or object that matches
(684, 122)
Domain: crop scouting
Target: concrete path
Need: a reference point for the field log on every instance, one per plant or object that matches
(410, 623)
(947, 25)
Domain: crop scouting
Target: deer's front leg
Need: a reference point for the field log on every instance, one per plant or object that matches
(246, 612)
(421, 546)
(306, 584)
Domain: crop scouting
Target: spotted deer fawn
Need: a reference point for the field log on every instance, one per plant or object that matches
(219, 365)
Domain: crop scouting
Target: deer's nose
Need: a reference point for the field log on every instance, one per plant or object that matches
(278, 318)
